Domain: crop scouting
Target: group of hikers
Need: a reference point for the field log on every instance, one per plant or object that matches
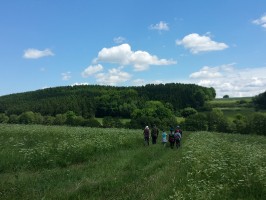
(174, 136)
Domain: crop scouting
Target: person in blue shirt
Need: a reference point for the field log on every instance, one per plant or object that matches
(164, 138)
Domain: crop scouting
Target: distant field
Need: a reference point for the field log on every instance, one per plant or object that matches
(233, 106)
(235, 99)
(52, 162)
(124, 121)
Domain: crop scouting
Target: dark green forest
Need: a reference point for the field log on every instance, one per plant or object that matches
(100, 101)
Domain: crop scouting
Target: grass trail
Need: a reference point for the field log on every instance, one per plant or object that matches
(124, 169)
(207, 166)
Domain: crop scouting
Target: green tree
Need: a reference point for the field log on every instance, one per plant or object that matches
(27, 118)
(92, 122)
(78, 121)
(48, 120)
(3, 118)
(112, 122)
(38, 118)
(226, 96)
(260, 101)
(70, 118)
(188, 111)
(217, 121)
(258, 124)
(196, 122)
(13, 119)
(153, 112)
(241, 125)
(60, 119)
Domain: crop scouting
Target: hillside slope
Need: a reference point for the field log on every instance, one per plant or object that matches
(100, 101)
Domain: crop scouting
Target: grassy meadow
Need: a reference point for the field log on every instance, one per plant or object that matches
(60, 162)
(233, 106)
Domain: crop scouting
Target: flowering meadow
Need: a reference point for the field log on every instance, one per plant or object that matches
(61, 162)
(222, 166)
(37, 146)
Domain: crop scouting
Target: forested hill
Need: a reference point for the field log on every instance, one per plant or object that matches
(99, 101)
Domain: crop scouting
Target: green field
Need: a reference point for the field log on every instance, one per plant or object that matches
(233, 106)
(52, 162)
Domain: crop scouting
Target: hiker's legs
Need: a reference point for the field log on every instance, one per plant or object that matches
(177, 143)
(172, 144)
(154, 140)
(146, 141)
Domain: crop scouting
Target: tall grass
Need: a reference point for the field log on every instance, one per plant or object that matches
(222, 166)
(42, 162)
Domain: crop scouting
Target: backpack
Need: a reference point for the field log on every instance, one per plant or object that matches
(177, 136)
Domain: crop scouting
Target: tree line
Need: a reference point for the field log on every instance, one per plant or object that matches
(215, 121)
(100, 101)
(144, 105)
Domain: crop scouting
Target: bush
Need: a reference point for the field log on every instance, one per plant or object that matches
(112, 122)
(27, 118)
(258, 124)
(188, 111)
(92, 122)
(3, 118)
(13, 119)
(240, 124)
(196, 122)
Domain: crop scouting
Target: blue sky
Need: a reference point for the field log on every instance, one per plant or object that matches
(47, 43)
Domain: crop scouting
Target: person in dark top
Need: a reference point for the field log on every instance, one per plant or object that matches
(154, 134)
(146, 134)
(171, 138)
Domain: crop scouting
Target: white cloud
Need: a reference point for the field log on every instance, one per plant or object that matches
(113, 77)
(138, 82)
(85, 83)
(207, 72)
(161, 26)
(235, 82)
(196, 43)
(123, 55)
(66, 76)
(35, 53)
(117, 54)
(261, 21)
(92, 69)
(119, 40)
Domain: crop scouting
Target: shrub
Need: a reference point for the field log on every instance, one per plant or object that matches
(196, 122)
(188, 111)
(258, 124)
(3, 118)
(92, 122)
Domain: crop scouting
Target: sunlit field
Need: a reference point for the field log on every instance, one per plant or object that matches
(222, 166)
(53, 162)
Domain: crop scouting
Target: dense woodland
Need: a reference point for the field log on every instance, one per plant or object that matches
(100, 101)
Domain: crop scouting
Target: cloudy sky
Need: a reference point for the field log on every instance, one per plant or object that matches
(219, 44)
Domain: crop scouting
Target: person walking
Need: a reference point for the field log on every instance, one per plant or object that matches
(164, 138)
(146, 134)
(154, 134)
(171, 138)
(177, 137)
(178, 129)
